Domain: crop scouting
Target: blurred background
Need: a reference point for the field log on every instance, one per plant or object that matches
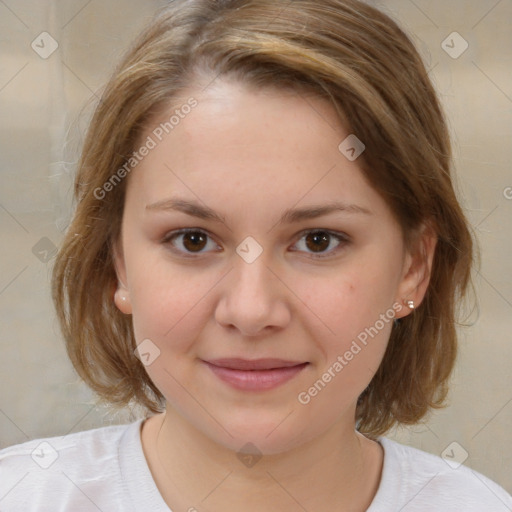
(55, 58)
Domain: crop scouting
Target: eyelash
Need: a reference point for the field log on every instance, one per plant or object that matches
(340, 237)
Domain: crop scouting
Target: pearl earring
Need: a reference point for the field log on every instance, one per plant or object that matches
(410, 304)
(121, 294)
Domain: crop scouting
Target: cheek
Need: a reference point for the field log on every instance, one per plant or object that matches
(171, 310)
(352, 345)
(169, 305)
(356, 313)
(348, 302)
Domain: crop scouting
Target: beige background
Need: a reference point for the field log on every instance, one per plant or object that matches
(44, 107)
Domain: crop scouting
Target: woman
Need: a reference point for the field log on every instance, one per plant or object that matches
(268, 254)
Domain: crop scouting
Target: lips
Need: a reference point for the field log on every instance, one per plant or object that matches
(254, 364)
(256, 374)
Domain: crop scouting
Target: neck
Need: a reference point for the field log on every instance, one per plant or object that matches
(341, 467)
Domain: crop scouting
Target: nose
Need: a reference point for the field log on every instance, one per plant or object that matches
(254, 298)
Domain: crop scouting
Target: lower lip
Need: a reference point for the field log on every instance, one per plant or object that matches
(256, 380)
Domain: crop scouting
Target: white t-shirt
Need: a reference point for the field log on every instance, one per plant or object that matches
(105, 470)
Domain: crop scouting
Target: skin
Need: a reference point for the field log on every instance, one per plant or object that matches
(249, 155)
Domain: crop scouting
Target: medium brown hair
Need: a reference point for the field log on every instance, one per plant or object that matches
(343, 50)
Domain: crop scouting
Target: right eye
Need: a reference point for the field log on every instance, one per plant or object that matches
(192, 239)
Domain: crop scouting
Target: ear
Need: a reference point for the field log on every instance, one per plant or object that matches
(122, 294)
(417, 268)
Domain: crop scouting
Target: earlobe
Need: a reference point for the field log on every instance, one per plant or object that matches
(122, 294)
(122, 300)
(418, 270)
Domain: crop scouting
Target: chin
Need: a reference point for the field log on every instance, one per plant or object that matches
(259, 435)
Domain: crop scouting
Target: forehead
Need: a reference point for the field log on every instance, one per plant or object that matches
(260, 148)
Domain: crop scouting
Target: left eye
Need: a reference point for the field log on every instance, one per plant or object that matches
(195, 240)
(320, 240)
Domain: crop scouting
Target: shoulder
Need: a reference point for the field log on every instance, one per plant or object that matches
(421, 481)
(75, 469)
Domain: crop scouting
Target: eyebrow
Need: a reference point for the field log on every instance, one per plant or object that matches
(292, 215)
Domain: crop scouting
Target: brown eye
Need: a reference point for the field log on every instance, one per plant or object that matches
(318, 241)
(192, 241)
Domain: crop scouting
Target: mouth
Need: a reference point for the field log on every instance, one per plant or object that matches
(256, 374)
(254, 364)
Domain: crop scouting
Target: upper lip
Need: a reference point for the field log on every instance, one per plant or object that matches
(253, 364)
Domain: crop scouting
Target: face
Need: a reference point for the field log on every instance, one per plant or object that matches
(253, 280)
